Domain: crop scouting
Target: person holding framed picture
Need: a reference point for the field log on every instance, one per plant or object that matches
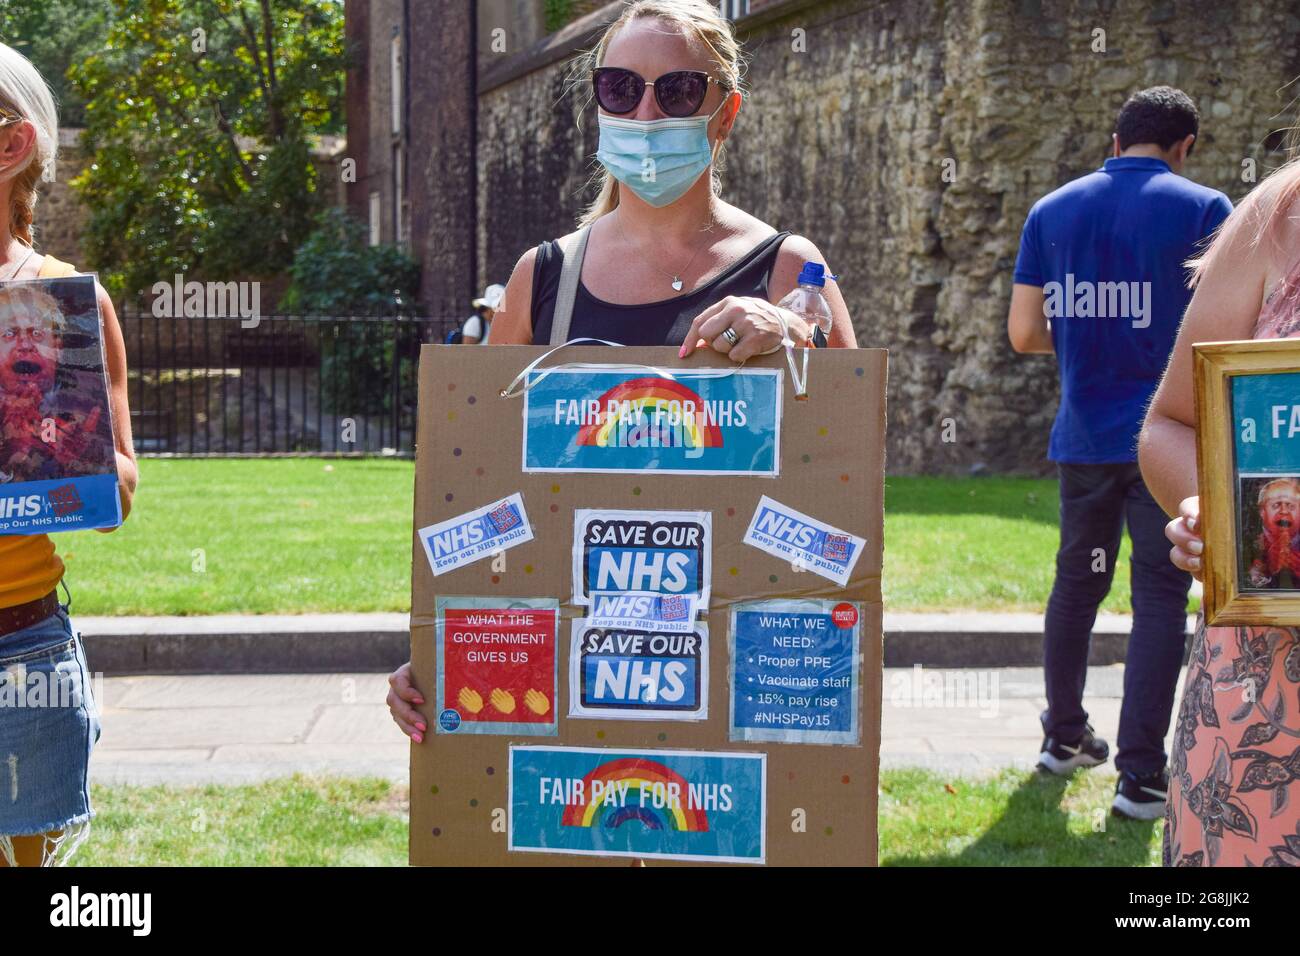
(1234, 789)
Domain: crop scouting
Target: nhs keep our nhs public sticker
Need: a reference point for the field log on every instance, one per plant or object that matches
(624, 419)
(664, 804)
(476, 534)
(803, 541)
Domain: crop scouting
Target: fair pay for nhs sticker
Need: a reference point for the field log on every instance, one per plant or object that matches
(805, 542)
(476, 534)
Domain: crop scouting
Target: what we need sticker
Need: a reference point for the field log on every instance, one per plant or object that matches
(644, 552)
(476, 534)
(794, 671)
(626, 674)
(802, 540)
(665, 804)
(497, 665)
(617, 418)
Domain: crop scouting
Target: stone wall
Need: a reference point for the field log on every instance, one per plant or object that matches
(847, 140)
(60, 215)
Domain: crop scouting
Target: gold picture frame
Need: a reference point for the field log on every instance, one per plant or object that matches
(1247, 581)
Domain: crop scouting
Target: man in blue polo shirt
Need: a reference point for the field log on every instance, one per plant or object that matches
(1100, 282)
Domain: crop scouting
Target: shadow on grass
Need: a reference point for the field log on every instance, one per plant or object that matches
(1036, 827)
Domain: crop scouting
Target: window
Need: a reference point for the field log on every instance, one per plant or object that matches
(733, 9)
(376, 215)
(395, 81)
(399, 195)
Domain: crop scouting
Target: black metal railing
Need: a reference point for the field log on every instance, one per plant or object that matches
(224, 386)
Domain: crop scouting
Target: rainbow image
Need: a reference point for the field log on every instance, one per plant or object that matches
(637, 774)
(649, 394)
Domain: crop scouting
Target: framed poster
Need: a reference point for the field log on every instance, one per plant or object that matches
(58, 463)
(1248, 471)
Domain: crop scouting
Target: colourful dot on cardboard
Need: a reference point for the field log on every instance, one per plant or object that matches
(731, 512)
(480, 471)
(844, 477)
(555, 489)
(663, 737)
(733, 571)
(496, 579)
(450, 496)
(473, 803)
(491, 771)
(600, 735)
(456, 452)
(437, 831)
(471, 399)
(859, 372)
(772, 578)
(807, 458)
(434, 790)
(822, 430)
(636, 490)
(829, 831)
(844, 779)
(554, 508)
(451, 416)
(790, 775)
(451, 386)
(528, 569)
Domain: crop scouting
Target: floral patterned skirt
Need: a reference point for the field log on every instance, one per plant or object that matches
(1234, 782)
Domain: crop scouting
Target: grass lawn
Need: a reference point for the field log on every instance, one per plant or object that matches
(926, 819)
(304, 535)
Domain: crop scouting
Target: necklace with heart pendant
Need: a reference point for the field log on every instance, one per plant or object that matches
(677, 282)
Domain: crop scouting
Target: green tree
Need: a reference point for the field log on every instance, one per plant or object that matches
(200, 115)
(55, 34)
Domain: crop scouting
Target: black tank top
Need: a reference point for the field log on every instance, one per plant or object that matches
(653, 323)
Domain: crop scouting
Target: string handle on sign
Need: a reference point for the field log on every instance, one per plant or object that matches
(800, 381)
(513, 390)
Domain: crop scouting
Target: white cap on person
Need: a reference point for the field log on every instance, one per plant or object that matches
(491, 297)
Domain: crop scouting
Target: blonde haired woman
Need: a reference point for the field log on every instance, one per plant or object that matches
(1234, 789)
(44, 789)
(662, 259)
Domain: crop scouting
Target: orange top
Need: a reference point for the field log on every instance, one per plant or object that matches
(29, 568)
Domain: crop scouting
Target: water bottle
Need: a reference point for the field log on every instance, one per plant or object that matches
(807, 299)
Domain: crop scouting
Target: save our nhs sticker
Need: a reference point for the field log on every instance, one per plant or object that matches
(619, 418)
(809, 544)
(625, 674)
(646, 552)
(476, 534)
(663, 804)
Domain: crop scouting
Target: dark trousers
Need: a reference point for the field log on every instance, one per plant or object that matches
(1096, 501)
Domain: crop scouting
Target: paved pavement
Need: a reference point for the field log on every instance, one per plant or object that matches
(229, 728)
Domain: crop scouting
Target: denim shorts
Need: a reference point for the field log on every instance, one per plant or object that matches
(49, 723)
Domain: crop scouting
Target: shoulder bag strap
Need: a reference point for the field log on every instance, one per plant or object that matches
(570, 272)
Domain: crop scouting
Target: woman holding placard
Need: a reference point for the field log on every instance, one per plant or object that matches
(1234, 790)
(659, 258)
(44, 749)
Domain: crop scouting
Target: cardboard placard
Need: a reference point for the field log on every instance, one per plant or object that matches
(818, 802)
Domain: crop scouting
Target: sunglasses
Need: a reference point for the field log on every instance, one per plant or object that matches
(680, 93)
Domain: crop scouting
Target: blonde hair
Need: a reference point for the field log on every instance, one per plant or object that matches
(699, 19)
(34, 302)
(1261, 214)
(25, 94)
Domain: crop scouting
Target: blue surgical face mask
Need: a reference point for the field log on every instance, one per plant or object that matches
(659, 160)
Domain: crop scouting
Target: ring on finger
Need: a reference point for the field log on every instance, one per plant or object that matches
(731, 336)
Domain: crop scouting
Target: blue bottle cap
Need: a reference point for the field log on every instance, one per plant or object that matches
(814, 273)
